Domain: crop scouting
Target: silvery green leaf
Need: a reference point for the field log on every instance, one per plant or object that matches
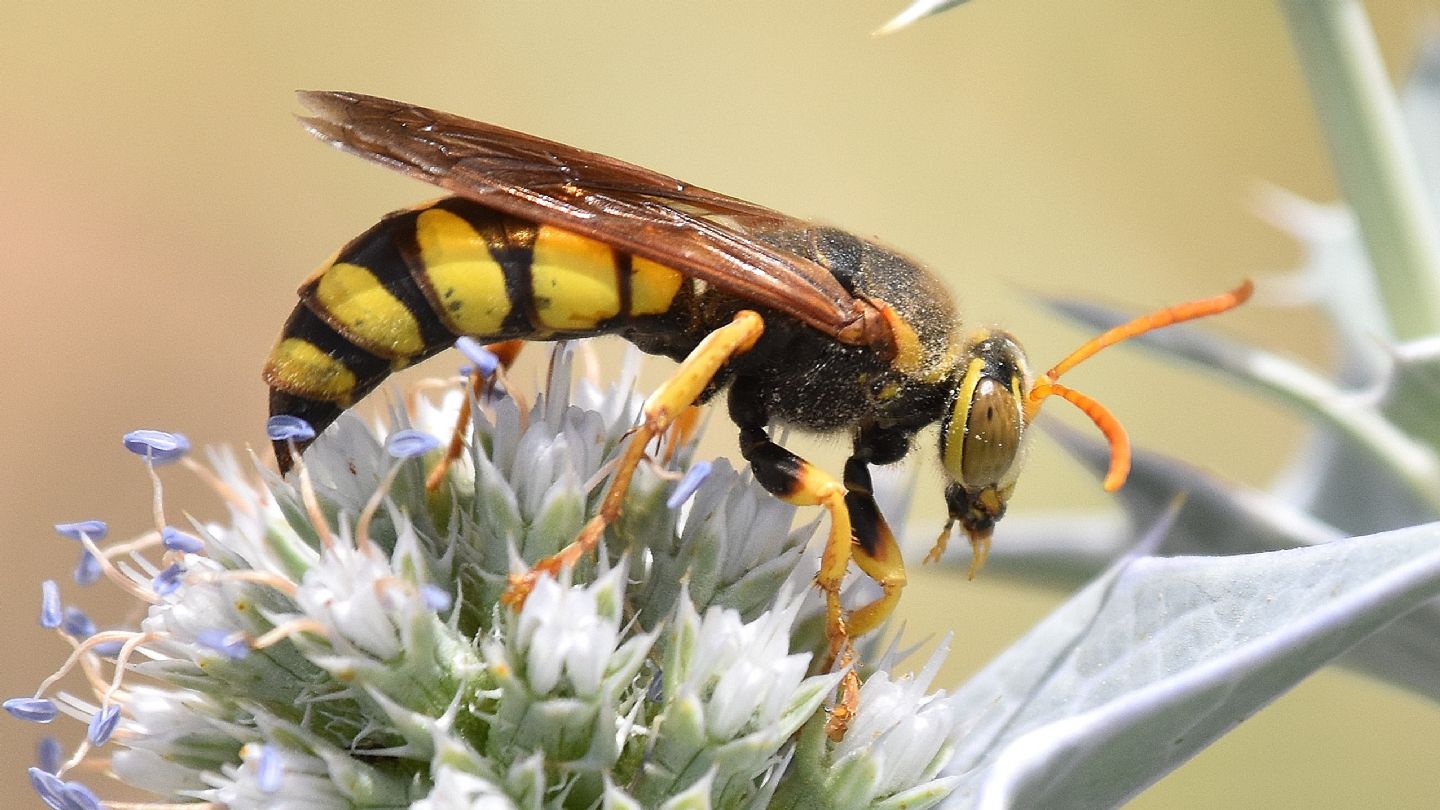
(1406, 653)
(1420, 106)
(1374, 162)
(1335, 476)
(916, 11)
(1335, 276)
(1413, 391)
(1216, 518)
(1156, 659)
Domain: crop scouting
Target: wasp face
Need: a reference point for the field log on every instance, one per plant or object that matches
(982, 432)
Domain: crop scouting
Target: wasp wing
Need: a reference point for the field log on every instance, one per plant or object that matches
(699, 232)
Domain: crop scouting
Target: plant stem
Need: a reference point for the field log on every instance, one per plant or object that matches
(1374, 163)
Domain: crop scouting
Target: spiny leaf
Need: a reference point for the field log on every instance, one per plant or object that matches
(1159, 657)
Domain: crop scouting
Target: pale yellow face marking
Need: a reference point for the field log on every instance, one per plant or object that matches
(652, 286)
(468, 283)
(299, 367)
(574, 280)
(959, 417)
(367, 313)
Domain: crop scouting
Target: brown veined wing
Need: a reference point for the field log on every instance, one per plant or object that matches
(699, 232)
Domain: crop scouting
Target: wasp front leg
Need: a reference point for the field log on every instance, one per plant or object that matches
(794, 480)
(876, 552)
(660, 411)
(856, 528)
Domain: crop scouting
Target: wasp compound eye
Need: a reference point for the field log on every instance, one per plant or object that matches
(992, 435)
(982, 429)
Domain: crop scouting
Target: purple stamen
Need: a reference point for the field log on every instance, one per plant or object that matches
(480, 357)
(269, 769)
(435, 597)
(286, 428)
(157, 445)
(692, 480)
(410, 443)
(168, 581)
(77, 624)
(79, 797)
(176, 540)
(102, 724)
(87, 570)
(50, 788)
(228, 644)
(31, 710)
(49, 605)
(107, 649)
(93, 529)
(48, 754)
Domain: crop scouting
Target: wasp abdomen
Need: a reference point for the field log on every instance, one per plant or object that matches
(406, 288)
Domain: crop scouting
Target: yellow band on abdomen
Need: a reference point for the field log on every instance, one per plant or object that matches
(652, 287)
(468, 284)
(366, 313)
(574, 280)
(299, 367)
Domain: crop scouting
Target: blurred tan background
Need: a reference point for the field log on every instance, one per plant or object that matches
(158, 206)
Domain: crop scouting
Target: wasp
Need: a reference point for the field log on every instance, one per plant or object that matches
(797, 324)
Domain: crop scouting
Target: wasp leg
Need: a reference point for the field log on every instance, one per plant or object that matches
(505, 352)
(684, 428)
(876, 552)
(667, 403)
(794, 480)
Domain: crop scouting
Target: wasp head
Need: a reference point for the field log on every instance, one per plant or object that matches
(982, 435)
(994, 399)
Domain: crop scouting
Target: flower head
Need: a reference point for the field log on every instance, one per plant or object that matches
(344, 645)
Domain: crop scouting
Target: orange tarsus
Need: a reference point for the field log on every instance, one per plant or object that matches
(506, 351)
(1110, 426)
(681, 431)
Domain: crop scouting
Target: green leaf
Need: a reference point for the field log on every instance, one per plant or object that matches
(1159, 657)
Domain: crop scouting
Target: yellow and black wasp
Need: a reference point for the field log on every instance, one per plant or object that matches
(799, 324)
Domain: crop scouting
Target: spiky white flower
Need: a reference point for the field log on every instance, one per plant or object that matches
(338, 641)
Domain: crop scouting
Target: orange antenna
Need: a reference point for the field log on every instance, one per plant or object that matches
(1110, 426)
